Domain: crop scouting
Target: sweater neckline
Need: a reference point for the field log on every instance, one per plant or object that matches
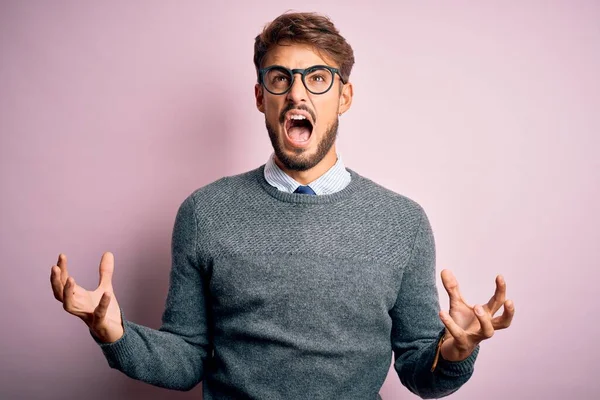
(349, 190)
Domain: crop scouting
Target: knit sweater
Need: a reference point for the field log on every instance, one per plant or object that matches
(278, 295)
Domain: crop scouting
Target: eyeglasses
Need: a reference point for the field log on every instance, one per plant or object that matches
(317, 79)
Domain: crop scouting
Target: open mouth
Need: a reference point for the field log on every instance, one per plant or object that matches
(298, 127)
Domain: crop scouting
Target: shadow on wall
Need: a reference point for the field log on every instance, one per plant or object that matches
(205, 153)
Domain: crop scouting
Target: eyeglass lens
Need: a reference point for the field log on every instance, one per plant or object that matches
(317, 80)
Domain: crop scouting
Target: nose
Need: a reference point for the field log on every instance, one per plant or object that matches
(297, 92)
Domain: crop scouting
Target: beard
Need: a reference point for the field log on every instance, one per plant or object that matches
(300, 161)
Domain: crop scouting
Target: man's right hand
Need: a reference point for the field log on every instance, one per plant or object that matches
(99, 309)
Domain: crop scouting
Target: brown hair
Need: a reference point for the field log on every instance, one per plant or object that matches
(305, 28)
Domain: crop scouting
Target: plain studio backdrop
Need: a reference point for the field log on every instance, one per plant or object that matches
(486, 113)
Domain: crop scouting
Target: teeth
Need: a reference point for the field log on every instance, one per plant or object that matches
(297, 117)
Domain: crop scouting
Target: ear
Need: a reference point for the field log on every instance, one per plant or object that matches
(260, 99)
(346, 98)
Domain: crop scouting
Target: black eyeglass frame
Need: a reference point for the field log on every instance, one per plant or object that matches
(302, 72)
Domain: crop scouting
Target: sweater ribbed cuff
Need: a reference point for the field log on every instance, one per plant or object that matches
(120, 350)
(458, 368)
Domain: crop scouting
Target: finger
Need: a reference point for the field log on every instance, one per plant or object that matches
(69, 294)
(504, 320)
(62, 264)
(456, 331)
(57, 285)
(100, 310)
(107, 266)
(499, 296)
(485, 321)
(451, 285)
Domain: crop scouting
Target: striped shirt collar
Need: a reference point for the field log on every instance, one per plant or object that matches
(334, 180)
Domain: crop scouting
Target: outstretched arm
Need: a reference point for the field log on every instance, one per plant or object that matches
(425, 368)
(173, 356)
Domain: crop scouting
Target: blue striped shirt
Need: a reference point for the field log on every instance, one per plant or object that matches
(334, 180)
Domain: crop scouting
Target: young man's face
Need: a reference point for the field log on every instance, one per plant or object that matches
(300, 144)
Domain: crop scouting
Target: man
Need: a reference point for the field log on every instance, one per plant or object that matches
(297, 279)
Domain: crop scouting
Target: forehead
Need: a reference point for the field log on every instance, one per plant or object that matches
(296, 55)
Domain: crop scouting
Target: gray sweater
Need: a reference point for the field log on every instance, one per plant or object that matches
(277, 295)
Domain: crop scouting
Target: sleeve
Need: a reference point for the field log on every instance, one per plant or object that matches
(416, 327)
(173, 356)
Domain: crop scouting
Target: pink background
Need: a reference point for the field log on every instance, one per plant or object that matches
(486, 113)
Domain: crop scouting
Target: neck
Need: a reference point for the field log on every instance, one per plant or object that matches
(306, 177)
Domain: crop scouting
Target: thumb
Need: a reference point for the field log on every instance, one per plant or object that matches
(100, 310)
(107, 267)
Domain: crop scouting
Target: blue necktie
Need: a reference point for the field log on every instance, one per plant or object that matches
(305, 190)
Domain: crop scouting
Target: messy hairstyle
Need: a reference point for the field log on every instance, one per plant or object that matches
(305, 28)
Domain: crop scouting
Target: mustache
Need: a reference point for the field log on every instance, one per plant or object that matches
(302, 107)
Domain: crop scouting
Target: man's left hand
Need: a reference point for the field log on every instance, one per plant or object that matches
(467, 326)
